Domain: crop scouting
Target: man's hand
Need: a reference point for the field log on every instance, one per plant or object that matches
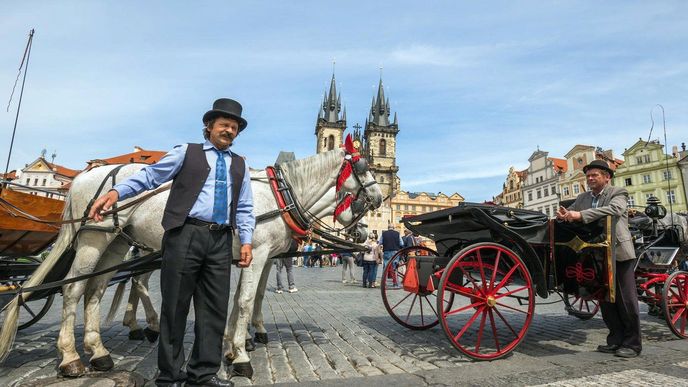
(103, 203)
(568, 216)
(246, 255)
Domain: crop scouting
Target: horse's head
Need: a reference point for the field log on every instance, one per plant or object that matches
(356, 187)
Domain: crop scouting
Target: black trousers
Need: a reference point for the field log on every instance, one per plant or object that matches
(622, 317)
(195, 263)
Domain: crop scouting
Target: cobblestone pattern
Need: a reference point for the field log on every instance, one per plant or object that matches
(329, 331)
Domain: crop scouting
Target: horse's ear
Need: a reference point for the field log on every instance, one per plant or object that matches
(349, 144)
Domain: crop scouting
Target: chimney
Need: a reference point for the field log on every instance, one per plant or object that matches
(674, 151)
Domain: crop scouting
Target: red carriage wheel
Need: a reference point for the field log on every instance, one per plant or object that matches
(414, 309)
(584, 308)
(493, 304)
(675, 303)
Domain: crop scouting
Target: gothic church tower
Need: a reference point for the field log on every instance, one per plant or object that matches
(381, 143)
(330, 125)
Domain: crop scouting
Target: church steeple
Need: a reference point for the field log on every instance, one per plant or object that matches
(379, 111)
(330, 124)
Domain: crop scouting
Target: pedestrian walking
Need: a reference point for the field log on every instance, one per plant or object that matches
(288, 265)
(371, 258)
(391, 242)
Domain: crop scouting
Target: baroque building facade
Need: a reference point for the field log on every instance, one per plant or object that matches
(572, 180)
(540, 186)
(648, 171)
(44, 178)
(512, 193)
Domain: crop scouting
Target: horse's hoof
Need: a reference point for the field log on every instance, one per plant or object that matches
(250, 346)
(262, 337)
(242, 369)
(104, 363)
(137, 334)
(151, 335)
(73, 369)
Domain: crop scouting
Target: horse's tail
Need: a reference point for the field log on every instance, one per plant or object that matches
(64, 240)
(116, 301)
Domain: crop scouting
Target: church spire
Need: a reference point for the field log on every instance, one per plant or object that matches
(332, 104)
(379, 111)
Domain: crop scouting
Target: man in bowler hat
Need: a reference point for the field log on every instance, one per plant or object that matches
(209, 203)
(603, 199)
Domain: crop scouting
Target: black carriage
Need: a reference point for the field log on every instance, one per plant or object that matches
(488, 265)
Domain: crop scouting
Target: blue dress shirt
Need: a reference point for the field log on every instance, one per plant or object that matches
(154, 175)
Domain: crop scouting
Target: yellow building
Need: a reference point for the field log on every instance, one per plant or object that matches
(648, 171)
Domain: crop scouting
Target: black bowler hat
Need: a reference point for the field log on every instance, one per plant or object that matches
(599, 164)
(225, 107)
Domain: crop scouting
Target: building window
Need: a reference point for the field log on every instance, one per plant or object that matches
(413, 207)
(576, 189)
(382, 179)
(566, 190)
(538, 194)
(530, 196)
(398, 207)
(666, 175)
(631, 201)
(383, 147)
(511, 185)
(647, 179)
(647, 196)
(554, 209)
(547, 211)
(646, 159)
(628, 181)
(638, 160)
(28, 181)
(330, 142)
(35, 182)
(671, 197)
(546, 192)
(553, 190)
(44, 181)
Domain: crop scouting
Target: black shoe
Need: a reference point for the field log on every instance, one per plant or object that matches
(214, 382)
(626, 352)
(608, 348)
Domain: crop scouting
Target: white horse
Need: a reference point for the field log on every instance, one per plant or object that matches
(311, 180)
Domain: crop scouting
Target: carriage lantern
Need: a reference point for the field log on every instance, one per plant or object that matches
(655, 209)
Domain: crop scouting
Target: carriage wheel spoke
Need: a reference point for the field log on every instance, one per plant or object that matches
(506, 278)
(455, 311)
(431, 307)
(480, 331)
(502, 295)
(494, 270)
(505, 322)
(678, 315)
(468, 324)
(482, 271)
(26, 307)
(470, 278)
(512, 308)
(587, 306)
(402, 300)
(422, 320)
(415, 296)
(494, 330)
(459, 290)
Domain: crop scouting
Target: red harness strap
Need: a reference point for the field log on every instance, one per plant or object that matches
(286, 216)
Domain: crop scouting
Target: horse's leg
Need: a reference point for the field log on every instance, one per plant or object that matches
(257, 320)
(230, 351)
(135, 331)
(95, 288)
(91, 246)
(152, 331)
(241, 364)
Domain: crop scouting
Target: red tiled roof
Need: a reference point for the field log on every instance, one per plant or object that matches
(11, 175)
(559, 164)
(140, 156)
(60, 170)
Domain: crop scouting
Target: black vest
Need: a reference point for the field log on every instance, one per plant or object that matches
(390, 240)
(188, 183)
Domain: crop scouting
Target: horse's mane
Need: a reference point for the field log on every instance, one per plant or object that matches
(315, 170)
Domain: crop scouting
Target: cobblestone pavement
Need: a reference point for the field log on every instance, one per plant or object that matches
(330, 333)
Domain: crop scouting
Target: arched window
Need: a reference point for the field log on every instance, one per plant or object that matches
(324, 146)
(330, 142)
(383, 147)
(382, 179)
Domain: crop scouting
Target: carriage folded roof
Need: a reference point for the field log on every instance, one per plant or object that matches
(461, 219)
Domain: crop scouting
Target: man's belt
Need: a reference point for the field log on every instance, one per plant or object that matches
(210, 225)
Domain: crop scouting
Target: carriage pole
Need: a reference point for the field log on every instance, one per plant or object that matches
(25, 58)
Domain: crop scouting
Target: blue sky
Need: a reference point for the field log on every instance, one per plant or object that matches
(477, 86)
